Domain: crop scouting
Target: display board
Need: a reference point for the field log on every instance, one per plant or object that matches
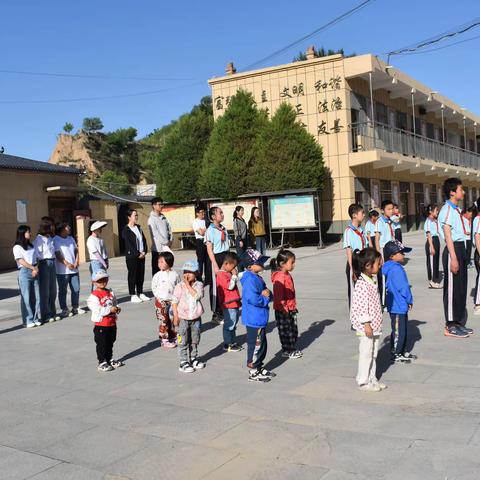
(229, 207)
(180, 217)
(292, 212)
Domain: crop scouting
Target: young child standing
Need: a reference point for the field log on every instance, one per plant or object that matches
(187, 317)
(432, 245)
(397, 226)
(284, 302)
(163, 285)
(455, 282)
(399, 299)
(229, 300)
(354, 238)
(255, 300)
(103, 305)
(366, 318)
(476, 260)
(370, 227)
(468, 216)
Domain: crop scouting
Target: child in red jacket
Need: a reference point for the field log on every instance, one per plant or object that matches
(229, 301)
(284, 302)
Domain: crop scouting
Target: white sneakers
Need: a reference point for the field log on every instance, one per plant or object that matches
(139, 298)
(372, 387)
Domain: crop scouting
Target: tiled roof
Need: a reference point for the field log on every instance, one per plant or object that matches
(19, 163)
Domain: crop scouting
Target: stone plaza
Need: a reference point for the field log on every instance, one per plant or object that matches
(62, 419)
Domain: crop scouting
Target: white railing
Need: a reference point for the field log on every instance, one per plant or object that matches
(368, 136)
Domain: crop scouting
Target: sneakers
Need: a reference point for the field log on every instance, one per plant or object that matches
(217, 319)
(256, 376)
(78, 311)
(105, 367)
(233, 348)
(168, 344)
(409, 356)
(30, 325)
(38, 323)
(380, 385)
(370, 387)
(400, 358)
(116, 363)
(476, 310)
(267, 373)
(197, 364)
(135, 299)
(466, 329)
(144, 298)
(65, 314)
(185, 367)
(455, 331)
(434, 285)
(50, 320)
(294, 354)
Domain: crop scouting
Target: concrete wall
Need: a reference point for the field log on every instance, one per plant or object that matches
(30, 186)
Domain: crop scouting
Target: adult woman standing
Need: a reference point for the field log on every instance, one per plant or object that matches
(66, 266)
(240, 230)
(257, 230)
(199, 228)
(135, 251)
(24, 255)
(45, 255)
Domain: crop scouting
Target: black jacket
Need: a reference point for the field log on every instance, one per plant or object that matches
(130, 239)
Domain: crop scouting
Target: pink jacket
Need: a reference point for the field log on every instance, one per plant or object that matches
(189, 307)
(283, 292)
(366, 306)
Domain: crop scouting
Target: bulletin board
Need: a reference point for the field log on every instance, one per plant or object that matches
(180, 217)
(292, 212)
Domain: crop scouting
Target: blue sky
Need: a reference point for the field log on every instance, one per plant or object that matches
(189, 42)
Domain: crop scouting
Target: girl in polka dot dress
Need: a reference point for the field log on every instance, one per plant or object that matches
(366, 317)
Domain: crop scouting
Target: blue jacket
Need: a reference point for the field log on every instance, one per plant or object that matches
(254, 305)
(399, 295)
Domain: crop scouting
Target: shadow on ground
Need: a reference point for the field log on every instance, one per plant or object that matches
(9, 293)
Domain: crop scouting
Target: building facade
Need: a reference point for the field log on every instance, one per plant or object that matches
(383, 134)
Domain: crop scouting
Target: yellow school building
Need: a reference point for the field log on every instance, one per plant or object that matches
(383, 133)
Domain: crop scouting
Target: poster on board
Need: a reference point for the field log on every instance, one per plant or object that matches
(21, 211)
(292, 212)
(229, 207)
(180, 217)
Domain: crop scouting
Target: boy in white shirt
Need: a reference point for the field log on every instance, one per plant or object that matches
(96, 248)
(163, 284)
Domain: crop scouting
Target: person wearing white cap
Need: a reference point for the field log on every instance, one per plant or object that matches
(96, 248)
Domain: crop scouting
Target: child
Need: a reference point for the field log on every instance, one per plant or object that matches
(432, 245)
(399, 299)
(229, 300)
(452, 230)
(103, 305)
(370, 227)
(366, 317)
(163, 284)
(476, 259)
(354, 238)
(467, 220)
(96, 248)
(255, 300)
(284, 302)
(397, 226)
(384, 233)
(187, 313)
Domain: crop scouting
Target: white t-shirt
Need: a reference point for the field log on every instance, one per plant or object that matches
(67, 247)
(44, 247)
(163, 284)
(19, 253)
(138, 234)
(197, 223)
(96, 245)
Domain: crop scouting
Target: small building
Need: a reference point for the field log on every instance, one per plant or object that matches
(29, 190)
(384, 134)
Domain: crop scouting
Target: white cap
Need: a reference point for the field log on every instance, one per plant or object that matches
(99, 274)
(98, 224)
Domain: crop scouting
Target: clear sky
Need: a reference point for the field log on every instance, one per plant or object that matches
(189, 42)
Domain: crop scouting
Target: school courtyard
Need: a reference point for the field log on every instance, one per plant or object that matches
(61, 419)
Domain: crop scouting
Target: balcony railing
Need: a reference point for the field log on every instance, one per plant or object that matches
(367, 136)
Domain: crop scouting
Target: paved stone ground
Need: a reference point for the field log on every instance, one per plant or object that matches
(61, 419)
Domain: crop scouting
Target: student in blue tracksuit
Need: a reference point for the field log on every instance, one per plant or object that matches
(255, 309)
(384, 233)
(432, 245)
(370, 227)
(399, 299)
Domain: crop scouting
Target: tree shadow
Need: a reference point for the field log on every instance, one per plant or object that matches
(306, 338)
(144, 349)
(384, 356)
(9, 293)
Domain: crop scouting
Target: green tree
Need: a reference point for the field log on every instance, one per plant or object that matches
(92, 124)
(180, 160)
(68, 127)
(288, 157)
(230, 153)
(113, 182)
(321, 52)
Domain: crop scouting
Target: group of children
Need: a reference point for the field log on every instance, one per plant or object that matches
(376, 278)
(178, 307)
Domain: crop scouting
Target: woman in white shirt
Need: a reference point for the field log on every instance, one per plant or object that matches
(45, 255)
(24, 255)
(96, 248)
(199, 228)
(135, 251)
(66, 265)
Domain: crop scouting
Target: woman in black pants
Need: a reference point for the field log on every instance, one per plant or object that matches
(240, 230)
(135, 251)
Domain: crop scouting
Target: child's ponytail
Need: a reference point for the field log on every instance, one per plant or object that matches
(283, 257)
(429, 209)
(362, 258)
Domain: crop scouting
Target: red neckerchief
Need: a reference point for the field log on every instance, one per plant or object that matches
(362, 238)
(389, 223)
(222, 231)
(455, 207)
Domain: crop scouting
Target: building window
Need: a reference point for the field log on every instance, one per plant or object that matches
(401, 120)
(381, 113)
(385, 190)
(362, 192)
(430, 131)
